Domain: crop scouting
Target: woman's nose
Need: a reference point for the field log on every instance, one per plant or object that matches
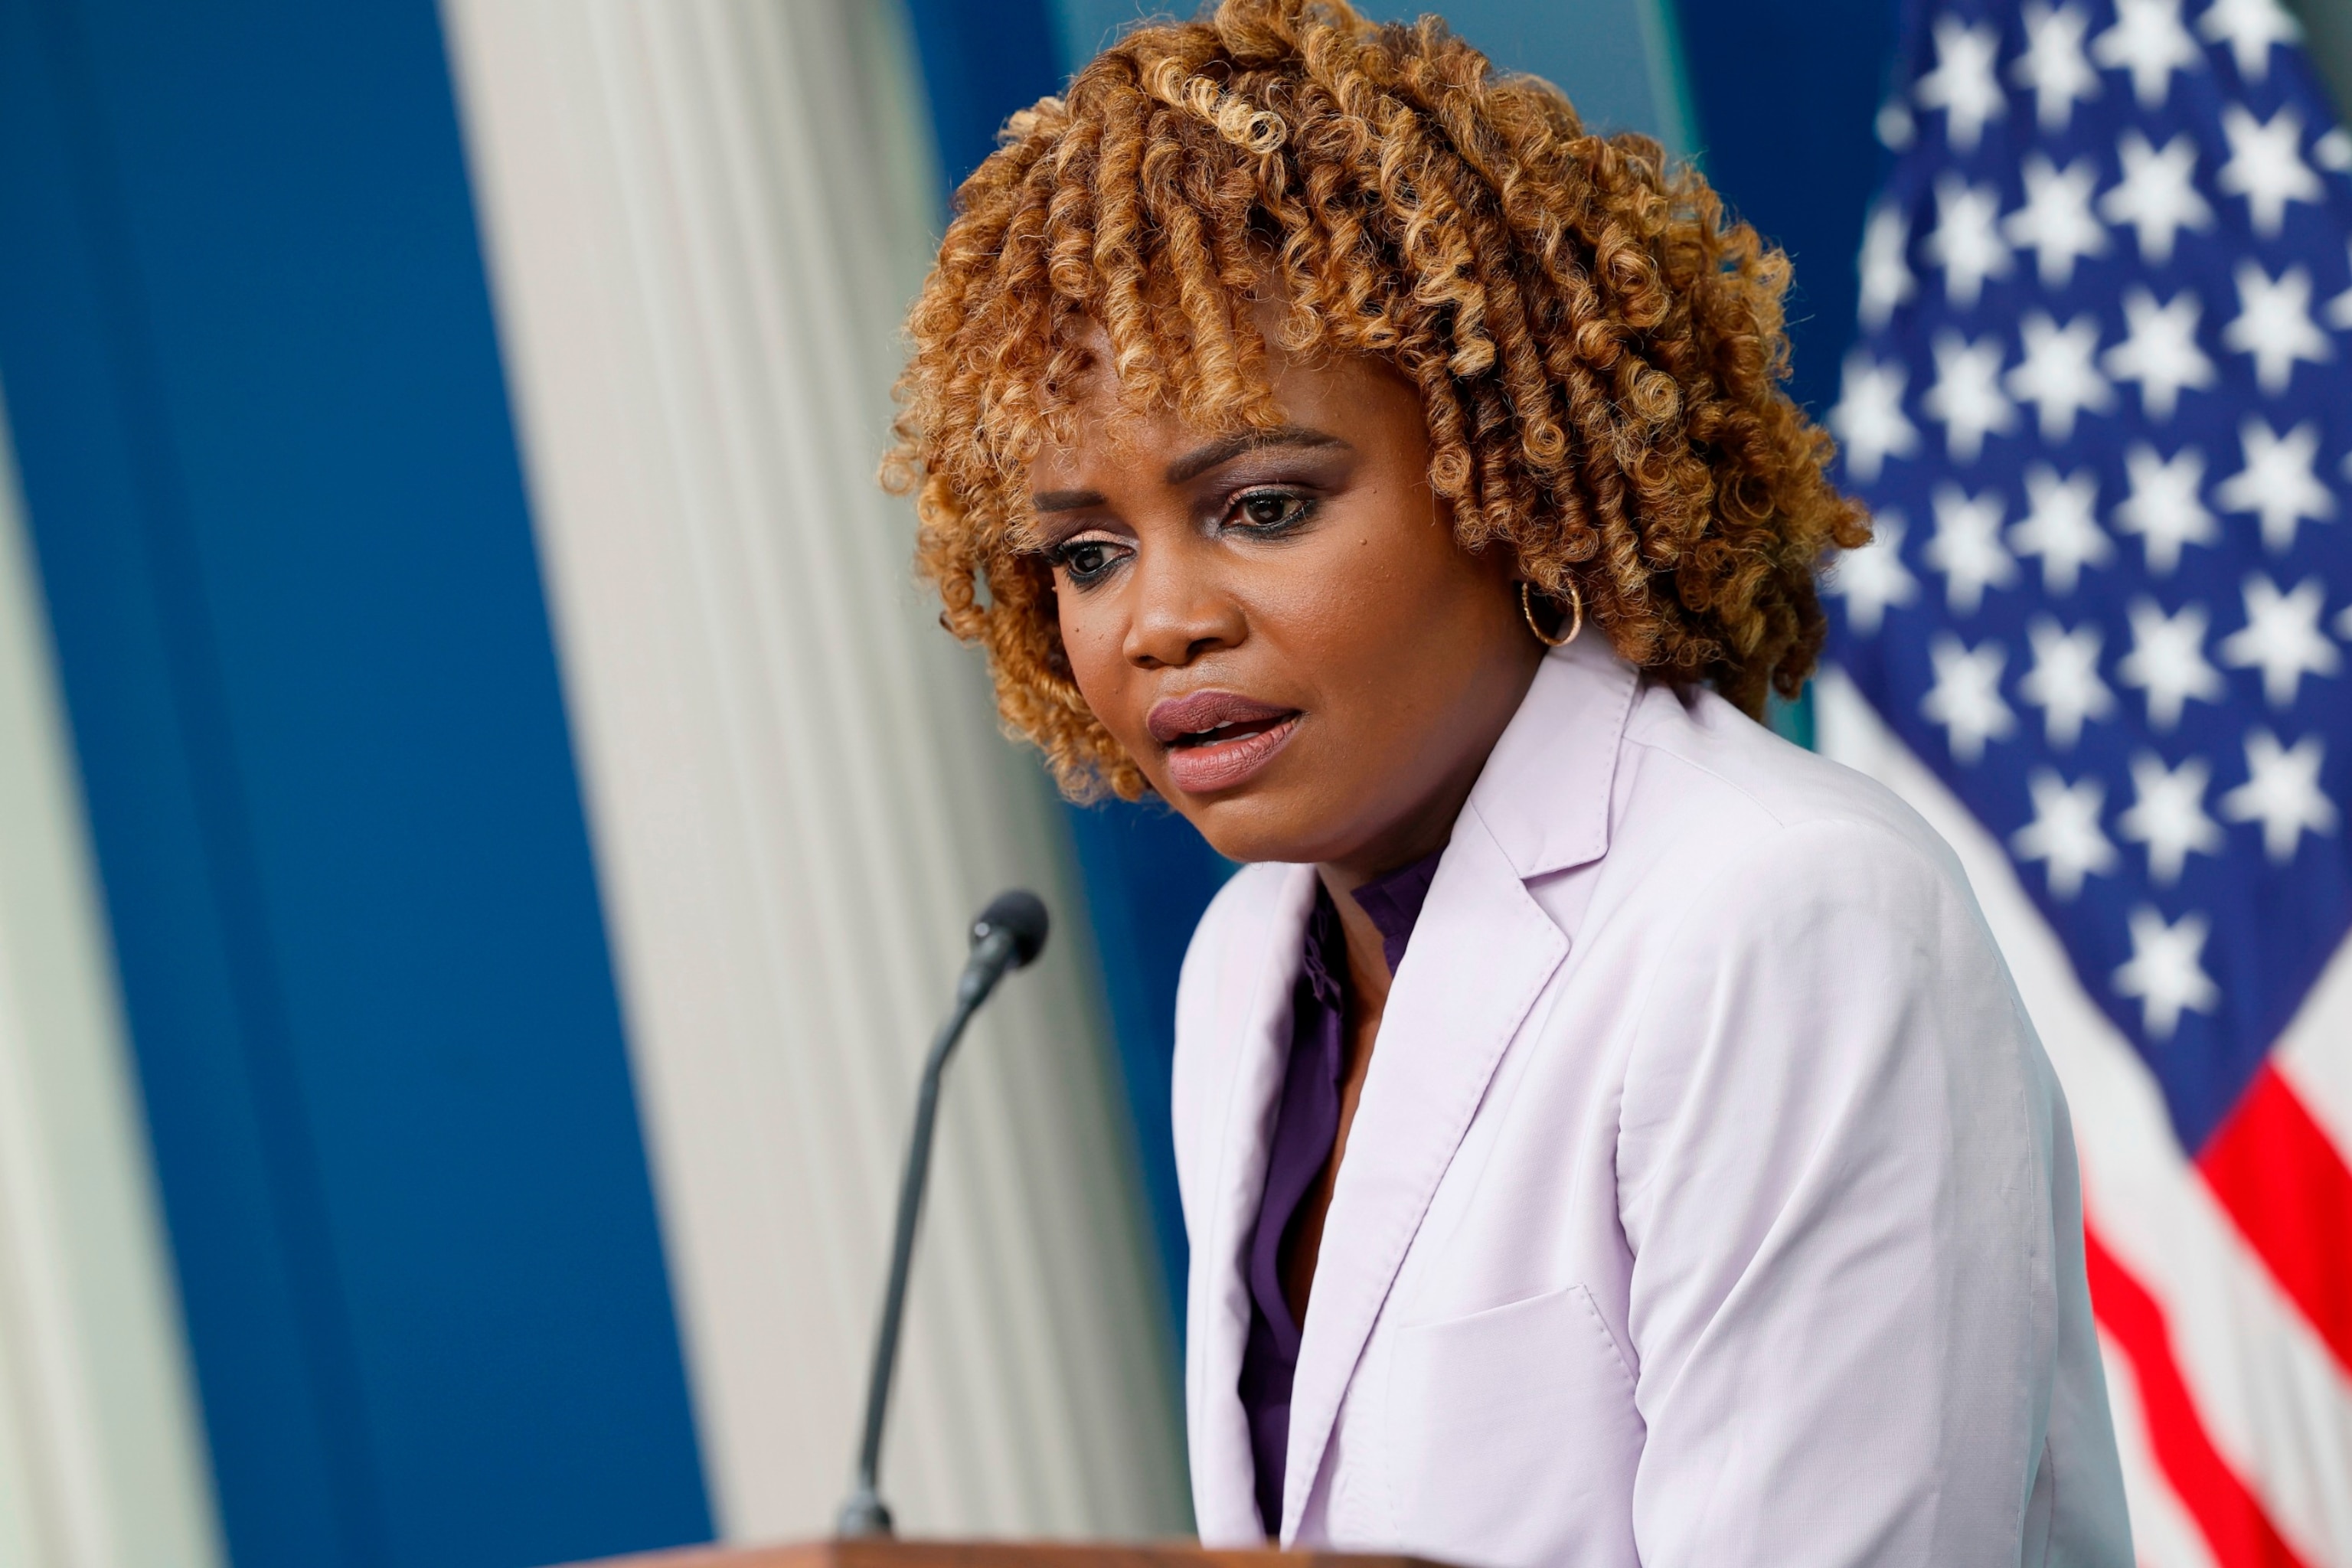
(1180, 610)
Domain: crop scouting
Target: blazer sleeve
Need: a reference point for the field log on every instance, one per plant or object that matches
(1837, 1179)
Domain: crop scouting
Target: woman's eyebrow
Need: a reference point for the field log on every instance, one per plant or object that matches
(1193, 464)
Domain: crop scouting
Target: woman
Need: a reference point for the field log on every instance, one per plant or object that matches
(1607, 1132)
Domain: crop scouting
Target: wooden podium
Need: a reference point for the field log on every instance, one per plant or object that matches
(887, 1551)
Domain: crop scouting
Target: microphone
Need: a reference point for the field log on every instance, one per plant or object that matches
(1009, 934)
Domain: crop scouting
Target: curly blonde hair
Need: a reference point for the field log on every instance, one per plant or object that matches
(1599, 350)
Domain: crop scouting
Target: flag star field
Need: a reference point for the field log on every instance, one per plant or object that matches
(2101, 409)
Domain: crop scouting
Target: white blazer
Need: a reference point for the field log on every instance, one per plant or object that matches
(1710, 1202)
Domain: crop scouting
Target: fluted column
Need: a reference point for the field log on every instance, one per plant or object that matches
(704, 219)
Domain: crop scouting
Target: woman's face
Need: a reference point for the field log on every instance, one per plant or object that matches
(1279, 627)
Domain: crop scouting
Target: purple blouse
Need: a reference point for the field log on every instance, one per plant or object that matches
(1306, 1127)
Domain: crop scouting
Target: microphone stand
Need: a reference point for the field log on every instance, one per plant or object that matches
(1006, 936)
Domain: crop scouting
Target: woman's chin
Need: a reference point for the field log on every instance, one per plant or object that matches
(1284, 821)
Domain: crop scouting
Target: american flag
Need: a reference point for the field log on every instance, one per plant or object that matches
(2101, 408)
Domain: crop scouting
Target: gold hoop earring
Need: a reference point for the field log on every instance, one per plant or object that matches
(1575, 615)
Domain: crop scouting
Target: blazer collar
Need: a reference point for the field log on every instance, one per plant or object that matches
(1263, 955)
(1545, 788)
(1480, 954)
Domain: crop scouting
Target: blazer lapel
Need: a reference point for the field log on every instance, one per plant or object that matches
(1480, 954)
(1253, 1012)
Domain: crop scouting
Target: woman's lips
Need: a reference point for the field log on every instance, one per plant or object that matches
(1208, 766)
(1216, 739)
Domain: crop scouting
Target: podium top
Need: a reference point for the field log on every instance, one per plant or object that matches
(891, 1553)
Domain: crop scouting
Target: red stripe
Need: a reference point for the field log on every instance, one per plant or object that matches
(2231, 1517)
(2286, 1187)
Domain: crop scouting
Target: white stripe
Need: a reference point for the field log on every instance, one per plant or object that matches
(103, 1463)
(2315, 1053)
(2272, 1399)
(2163, 1534)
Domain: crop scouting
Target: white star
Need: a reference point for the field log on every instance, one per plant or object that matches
(2166, 507)
(2333, 150)
(2282, 793)
(1886, 280)
(2060, 527)
(1963, 84)
(1967, 242)
(2058, 374)
(2339, 309)
(2159, 349)
(1965, 698)
(2168, 662)
(2065, 680)
(1967, 547)
(2065, 831)
(1967, 396)
(2055, 223)
(2277, 484)
(1873, 579)
(2274, 326)
(2053, 67)
(2250, 28)
(1893, 125)
(2148, 41)
(1869, 418)
(2157, 195)
(2170, 815)
(2264, 166)
(2282, 637)
(2163, 972)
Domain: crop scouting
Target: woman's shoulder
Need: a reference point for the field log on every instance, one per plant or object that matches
(1799, 936)
(1754, 881)
(1726, 791)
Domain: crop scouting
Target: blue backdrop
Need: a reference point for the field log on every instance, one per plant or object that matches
(277, 512)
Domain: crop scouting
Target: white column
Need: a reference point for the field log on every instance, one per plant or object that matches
(102, 1464)
(704, 218)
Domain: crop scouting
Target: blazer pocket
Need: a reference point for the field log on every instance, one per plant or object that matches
(1513, 1436)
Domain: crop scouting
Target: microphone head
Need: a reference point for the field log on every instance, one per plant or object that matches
(1019, 914)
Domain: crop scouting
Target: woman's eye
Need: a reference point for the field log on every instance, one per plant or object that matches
(1086, 560)
(1272, 512)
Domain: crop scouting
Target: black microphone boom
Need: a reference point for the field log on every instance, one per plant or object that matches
(1009, 934)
